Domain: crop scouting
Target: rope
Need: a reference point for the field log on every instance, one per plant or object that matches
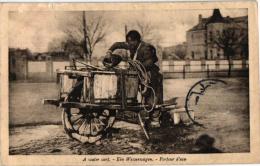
(144, 80)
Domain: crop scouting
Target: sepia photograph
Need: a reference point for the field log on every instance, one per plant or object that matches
(68, 63)
(130, 82)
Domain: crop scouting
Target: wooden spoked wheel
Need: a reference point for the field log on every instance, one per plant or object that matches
(86, 126)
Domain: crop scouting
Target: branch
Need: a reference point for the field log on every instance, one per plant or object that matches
(219, 43)
(99, 38)
(96, 27)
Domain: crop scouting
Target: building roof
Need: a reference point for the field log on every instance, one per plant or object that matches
(217, 18)
(200, 26)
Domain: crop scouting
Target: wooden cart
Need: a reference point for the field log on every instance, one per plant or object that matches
(91, 97)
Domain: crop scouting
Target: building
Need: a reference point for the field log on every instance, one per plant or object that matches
(201, 39)
(18, 63)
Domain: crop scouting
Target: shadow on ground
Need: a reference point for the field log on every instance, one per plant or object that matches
(120, 141)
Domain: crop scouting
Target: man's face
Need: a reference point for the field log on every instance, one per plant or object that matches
(133, 44)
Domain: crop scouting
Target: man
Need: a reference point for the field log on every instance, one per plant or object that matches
(146, 54)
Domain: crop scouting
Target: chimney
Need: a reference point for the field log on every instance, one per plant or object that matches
(200, 18)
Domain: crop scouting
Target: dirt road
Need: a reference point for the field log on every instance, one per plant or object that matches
(127, 138)
(224, 112)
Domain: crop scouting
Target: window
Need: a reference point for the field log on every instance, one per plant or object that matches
(192, 37)
(205, 37)
(218, 55)
(192, 55)
(206, 55)
(210, 36)
(13, 62)
(211, 54)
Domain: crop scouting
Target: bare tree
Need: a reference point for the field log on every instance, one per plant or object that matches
(56, 45)
(180, 50)
(85, 31)
(229, 40)
(244, 43)
(145, 29)
(148, 32)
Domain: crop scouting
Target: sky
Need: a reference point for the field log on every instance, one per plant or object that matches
(35, 30)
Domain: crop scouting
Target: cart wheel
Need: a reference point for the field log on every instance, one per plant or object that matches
(87, 126)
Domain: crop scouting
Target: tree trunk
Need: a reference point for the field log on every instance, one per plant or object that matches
(229, 66)
(227, 53)
(85, 47)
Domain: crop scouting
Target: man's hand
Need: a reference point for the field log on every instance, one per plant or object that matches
(124, 57)
(111, 60)
(108, 54)
(107, 59)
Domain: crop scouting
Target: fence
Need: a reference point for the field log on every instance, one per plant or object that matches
(45, 71)
(204, 68)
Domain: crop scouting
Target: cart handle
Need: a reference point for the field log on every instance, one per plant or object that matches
(92, 66)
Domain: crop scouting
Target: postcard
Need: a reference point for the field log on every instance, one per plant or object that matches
(156, 83)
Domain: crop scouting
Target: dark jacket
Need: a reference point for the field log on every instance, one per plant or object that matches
(146, 54)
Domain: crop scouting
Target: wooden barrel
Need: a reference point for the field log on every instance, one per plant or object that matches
(106, 87)
(102, 86)
(66, 84)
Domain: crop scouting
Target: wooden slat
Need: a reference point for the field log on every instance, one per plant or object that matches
(51, 102)
(136, 108)
(81, 73)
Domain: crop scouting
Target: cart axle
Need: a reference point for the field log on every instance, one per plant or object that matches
(135, 108)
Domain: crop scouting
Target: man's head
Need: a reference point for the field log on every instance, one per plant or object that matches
(133, 38)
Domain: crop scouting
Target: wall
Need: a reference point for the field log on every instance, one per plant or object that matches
(45, 71)
(18, 68)
(202, 65)
(203, 68)
(213, 32)
(196, 44)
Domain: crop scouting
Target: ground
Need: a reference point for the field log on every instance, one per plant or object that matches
(223, 111)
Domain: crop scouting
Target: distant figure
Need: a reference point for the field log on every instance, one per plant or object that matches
(204, 144)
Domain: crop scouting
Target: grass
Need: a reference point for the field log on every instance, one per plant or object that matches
(26, 104)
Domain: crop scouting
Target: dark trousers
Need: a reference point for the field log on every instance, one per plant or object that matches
(156, 82)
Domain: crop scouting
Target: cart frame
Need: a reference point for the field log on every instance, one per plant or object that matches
(92, 105)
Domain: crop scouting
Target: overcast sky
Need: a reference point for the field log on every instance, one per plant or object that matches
(34, 30)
